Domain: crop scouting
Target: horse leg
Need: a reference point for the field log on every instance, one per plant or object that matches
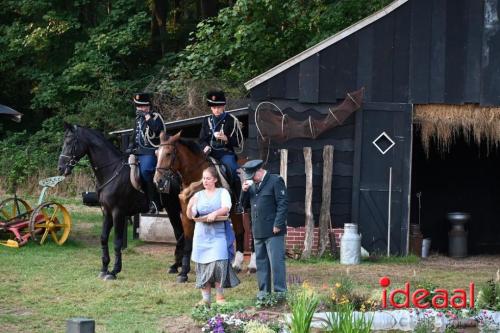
(186, 261)
(188, 230)
(107, 224)
(179, 250)
(174, 214)
(238, 256)
(239, 233)
(252, 265)
(119, 221)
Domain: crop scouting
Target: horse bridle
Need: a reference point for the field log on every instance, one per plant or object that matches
(72, 160)
(164, 170)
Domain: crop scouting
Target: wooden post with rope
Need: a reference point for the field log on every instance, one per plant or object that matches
(325, 220)
(309, 223)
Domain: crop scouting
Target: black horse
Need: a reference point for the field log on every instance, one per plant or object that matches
(117, 196)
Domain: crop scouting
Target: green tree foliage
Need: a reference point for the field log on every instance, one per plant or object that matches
(58, 53)
(255, 35)
(74, 60)
(81, 60)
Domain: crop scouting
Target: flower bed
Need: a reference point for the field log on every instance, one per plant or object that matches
(409, 320)
(345, 311)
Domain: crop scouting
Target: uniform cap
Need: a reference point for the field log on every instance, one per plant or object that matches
(250, 167)
(142, 99)
(216, 97)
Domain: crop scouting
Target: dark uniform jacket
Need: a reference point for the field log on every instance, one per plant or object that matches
(212, 124)
(139, 144)
(269, 206)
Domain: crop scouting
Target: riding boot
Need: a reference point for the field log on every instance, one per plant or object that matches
(153, 198)
(238, 208)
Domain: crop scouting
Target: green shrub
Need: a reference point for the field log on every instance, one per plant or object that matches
(342, 320)
(303, 303)
(203, 313)
(488, 297)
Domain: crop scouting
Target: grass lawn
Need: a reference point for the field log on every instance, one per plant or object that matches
(43, 286)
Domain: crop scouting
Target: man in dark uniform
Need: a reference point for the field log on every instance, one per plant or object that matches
(145, 139)
(266, 195)
(219, 137)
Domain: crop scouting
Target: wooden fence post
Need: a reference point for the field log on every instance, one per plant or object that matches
(325, 221)
(284, 163)
(309, 225)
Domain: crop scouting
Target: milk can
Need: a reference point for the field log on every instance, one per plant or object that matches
(457, 236)
(350, 245)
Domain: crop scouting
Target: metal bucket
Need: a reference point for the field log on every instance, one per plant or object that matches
(457, 236)
(426, 247)
(350, 245)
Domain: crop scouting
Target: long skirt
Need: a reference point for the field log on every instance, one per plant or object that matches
(216, 271)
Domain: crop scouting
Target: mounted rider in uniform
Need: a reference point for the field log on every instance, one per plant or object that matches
(143, 143)
(219, 138)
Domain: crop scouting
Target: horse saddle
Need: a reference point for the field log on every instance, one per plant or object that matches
(135, 176)
(224, 173)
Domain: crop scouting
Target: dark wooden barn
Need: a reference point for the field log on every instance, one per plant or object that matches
(411, 53)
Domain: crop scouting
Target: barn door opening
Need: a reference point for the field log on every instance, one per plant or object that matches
(465, 179)
(381, 176)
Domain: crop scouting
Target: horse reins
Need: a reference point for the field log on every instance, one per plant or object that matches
(72, 162)
(169, 168)
(163, 170)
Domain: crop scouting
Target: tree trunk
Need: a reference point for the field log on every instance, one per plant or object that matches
(209, 8)
(159, 25)
(309, 225)
(325, 221)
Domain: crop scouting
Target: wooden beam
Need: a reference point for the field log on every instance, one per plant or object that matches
(309, 225)
(283, 163)
(325, 221)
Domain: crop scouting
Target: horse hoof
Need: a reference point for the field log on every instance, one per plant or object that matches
(102, 275)
(173, 270)
(182, 278)
(109, 277)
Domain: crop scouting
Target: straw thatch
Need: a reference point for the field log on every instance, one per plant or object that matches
(441, 124)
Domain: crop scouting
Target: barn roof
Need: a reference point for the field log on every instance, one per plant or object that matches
(324, 44)
(182, 123)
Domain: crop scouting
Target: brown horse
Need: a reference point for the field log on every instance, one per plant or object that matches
(176, 155)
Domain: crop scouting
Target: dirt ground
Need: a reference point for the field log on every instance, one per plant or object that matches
(440, 270)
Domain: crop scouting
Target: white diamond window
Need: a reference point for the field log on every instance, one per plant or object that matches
(384, 143)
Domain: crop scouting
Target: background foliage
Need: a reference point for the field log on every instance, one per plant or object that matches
(81, 60)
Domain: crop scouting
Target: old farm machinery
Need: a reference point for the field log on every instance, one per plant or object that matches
(18, 219)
